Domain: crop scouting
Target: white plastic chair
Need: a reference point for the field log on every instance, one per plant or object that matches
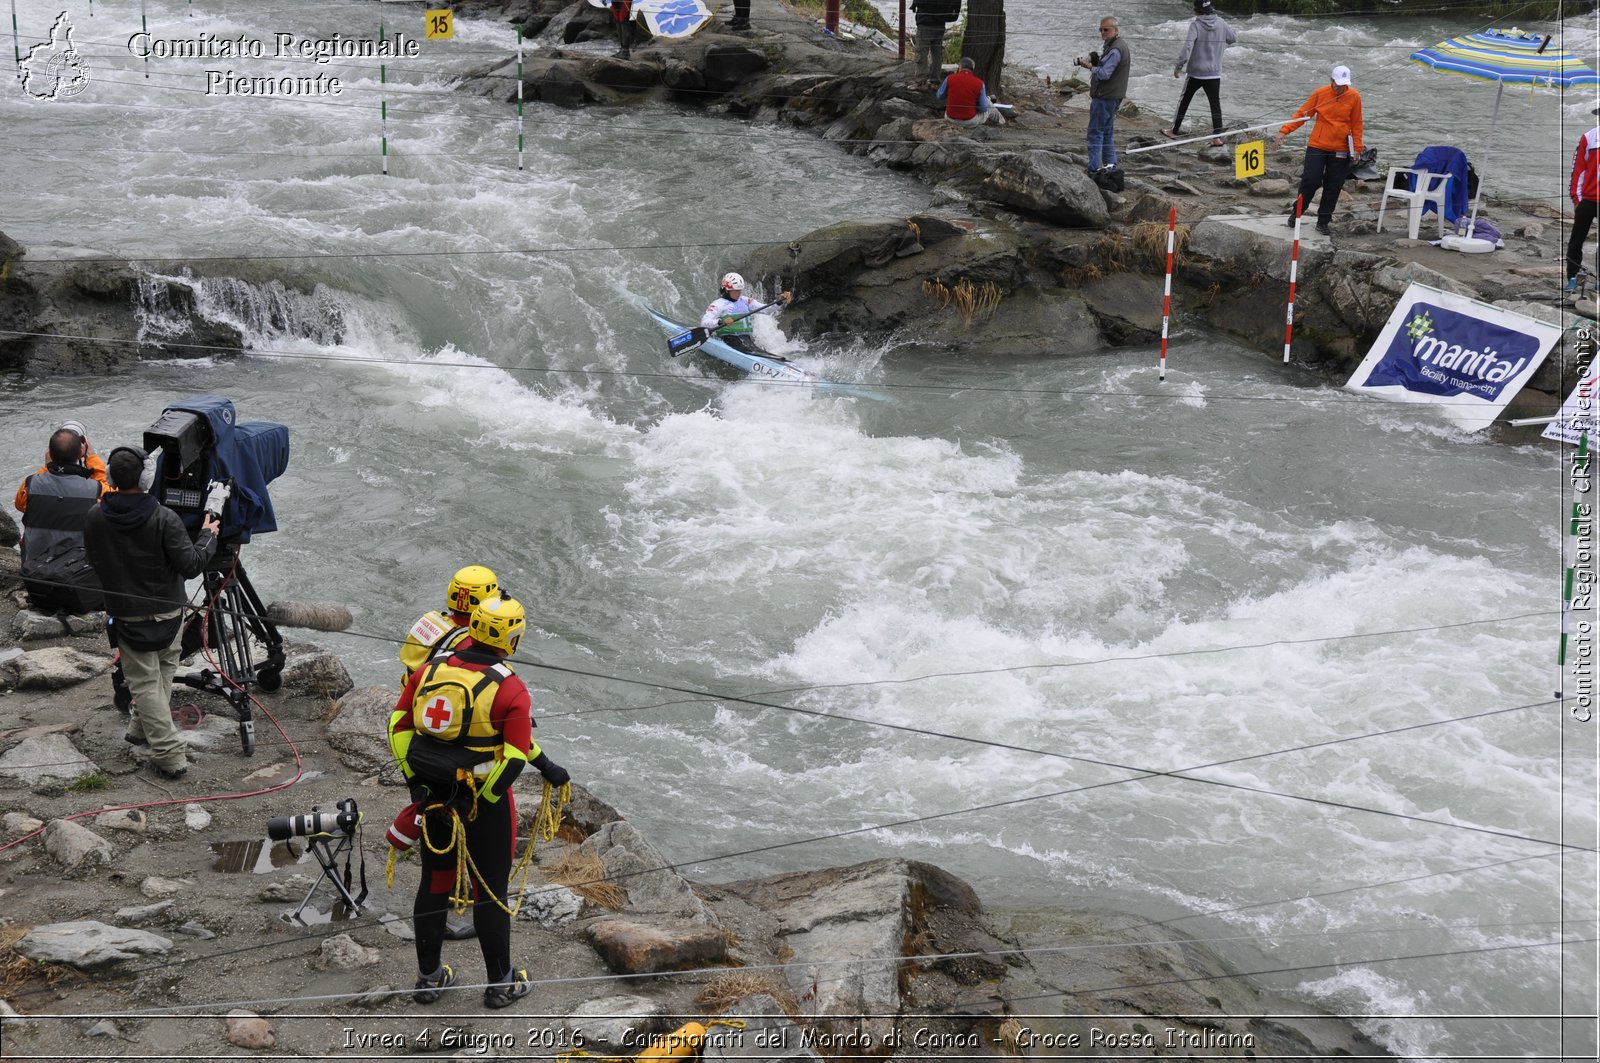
(1429, 188)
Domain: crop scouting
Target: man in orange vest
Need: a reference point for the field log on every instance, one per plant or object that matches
(1335, 143)
(966, 102)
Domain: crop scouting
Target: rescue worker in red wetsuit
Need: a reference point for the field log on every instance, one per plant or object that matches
(462, 732)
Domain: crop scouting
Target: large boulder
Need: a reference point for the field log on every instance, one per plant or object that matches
(88, 943)
(55, 667)
(632, 947)
(45, 759)
(647, 876)
(1047, 185)
(360, 730)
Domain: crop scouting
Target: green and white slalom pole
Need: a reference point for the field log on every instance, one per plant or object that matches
(519, 97)
(144, 26)
(383, 104)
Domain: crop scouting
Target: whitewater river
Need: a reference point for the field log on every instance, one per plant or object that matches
(1105, 576)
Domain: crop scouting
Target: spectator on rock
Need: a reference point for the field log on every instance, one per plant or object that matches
(1108, 85)
(622, 16)
(1585, 192)
(932, 18)
(741, 15)
(1202, 54)
(966, 101)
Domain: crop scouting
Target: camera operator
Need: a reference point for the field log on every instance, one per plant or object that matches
(462, 732)
(142, 554)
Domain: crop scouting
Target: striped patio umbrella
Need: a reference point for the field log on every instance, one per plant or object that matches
(1507, 56)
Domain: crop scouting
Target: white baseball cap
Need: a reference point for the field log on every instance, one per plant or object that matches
(1341, 75)
(74, 426)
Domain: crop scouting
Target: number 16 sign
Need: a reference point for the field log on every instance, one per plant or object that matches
(1250, 160)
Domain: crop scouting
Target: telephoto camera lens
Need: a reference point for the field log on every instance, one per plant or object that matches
(316, 822)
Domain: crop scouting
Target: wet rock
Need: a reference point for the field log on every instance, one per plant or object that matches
(866, 912)
(195, 817)
(10, 535)
(74, 846)
(45, 759)
(55, 667)
(768, 1034)
(630, 947)
(87, 944)
(142, 913)
(726, 66)
(615, 1023)
(195, 930)
(316, 672)
(343, 952)
(652, 886)
(360, 730)
(156, 888)
(20, 823)
(246, 1029)
(292, 888)
(550, 906)
(1047, 185)
(623, 75)
(131, 820)
(32, 625)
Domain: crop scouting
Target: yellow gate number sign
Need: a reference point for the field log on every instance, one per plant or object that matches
(1250, 160)
(440, 25)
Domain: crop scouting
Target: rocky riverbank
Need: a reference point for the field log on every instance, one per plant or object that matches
(145, 917)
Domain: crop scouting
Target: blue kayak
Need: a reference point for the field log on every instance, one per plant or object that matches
(761, 366)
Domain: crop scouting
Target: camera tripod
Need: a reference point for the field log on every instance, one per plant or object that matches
(328, 859)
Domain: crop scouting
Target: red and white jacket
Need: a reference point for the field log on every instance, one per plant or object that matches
(1586, 169)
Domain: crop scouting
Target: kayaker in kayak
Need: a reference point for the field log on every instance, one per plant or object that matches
(732, 317)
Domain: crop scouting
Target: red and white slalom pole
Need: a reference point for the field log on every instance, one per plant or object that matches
(1166, 296)
(1294, 267)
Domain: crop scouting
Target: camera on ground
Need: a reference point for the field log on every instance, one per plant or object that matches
(316, 823)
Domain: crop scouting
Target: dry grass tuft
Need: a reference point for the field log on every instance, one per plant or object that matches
(973, 301)
(17, 971)
(936, 291)
(585, 874)
(726, 990)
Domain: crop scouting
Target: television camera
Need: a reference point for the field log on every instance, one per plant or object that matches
(206, 460)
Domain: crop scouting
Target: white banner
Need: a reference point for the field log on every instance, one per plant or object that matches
(1465, 357)
(1578, 412)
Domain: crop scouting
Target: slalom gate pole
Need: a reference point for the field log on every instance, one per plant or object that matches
(519, 97)
(383, 104)
(144, 25)
(16, 38)
(1294, 267)
(1166, 296)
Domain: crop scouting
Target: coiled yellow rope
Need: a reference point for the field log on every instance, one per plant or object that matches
(546, 821)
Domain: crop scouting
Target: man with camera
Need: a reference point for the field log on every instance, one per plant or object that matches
(1108, 84)
(142, 554)
(462, 733)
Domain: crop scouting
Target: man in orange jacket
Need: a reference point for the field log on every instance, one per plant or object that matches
(1335, 142)
(93, 463)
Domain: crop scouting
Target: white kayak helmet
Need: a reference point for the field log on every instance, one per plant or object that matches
(732, 282)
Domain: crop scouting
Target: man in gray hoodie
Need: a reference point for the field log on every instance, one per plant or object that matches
(1202, 54)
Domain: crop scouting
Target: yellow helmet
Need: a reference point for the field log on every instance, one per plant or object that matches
(470, 586)
(499, 623)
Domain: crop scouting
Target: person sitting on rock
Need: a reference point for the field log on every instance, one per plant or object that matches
(55, 566)
(966, 101)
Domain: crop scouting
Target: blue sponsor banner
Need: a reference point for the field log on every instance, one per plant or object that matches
(1467, 357)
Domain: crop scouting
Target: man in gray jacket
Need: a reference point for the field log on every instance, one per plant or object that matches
(142, 554)
(1202, 54)
(932, 18)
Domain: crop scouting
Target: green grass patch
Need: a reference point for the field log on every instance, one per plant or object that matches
(858, 11)
(89, 783)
